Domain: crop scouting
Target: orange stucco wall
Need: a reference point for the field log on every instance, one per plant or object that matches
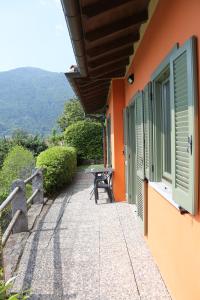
(175, 243)
(174, 239)
(174, 21)
(116, 105)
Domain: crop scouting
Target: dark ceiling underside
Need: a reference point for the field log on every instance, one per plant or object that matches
(103, 33)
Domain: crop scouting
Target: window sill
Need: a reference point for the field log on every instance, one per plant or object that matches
(165, 191)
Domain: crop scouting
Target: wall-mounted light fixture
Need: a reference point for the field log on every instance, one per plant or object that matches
(131, 78)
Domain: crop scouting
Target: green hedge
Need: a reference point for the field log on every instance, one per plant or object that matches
(59, 164)
(87, 137)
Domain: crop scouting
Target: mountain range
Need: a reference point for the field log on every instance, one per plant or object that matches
(31, 99)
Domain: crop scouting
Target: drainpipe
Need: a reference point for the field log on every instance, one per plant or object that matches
(72, 14)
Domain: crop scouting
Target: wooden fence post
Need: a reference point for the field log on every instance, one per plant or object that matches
(2, 274)
(37, 184)
(19, 203)
(1, 254)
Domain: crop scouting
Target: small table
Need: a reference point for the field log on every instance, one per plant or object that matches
(100, 174)
(99, 171)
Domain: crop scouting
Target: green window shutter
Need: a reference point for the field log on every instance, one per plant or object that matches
(139, 154)
(139, 136)
(125, 115)
(148, 131)
(183, 97)
(132, 170)
(125, 126)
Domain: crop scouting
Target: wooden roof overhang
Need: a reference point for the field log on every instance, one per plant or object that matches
(103, 33)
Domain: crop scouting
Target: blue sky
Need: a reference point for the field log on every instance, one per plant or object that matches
(34, 33)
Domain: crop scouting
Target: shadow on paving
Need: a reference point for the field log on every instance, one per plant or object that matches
(82, 251)
(58, 284)
(58, 292)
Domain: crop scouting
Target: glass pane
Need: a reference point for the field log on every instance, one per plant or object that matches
(166, 128)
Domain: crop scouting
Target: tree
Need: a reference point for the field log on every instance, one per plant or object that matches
(73, 112)
(19, 163)
(55, 139)
(5, 146)
(19, 135)
(34, 143)
(86, 137)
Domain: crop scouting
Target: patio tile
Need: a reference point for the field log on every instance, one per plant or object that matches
(81, 277)
(148, 278)
(80, 250)
(156, 298)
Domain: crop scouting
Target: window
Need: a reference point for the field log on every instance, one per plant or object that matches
(162, 128)
(163, 103)
(172, 148)
(166, 130)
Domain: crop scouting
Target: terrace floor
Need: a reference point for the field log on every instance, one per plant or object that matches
(82, 251)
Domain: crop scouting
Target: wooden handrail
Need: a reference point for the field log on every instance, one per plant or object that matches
(9, 198)
(32, 196)
(10, 227)
(31, 177)
(20, 205)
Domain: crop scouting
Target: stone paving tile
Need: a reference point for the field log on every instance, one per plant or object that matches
(116, 279)
(156, 298)
(84, 251)
(36, 272)
(40, 239)
(12, 252)
(148, 278)
(45, 226)
(82, 277)
(33, 212)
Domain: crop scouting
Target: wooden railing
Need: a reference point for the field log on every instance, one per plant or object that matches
(19, 203)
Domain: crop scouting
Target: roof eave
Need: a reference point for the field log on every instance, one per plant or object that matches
(71, 11)
(71, 76)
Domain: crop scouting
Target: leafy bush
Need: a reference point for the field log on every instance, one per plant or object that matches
(18, 164)
(86, 137)
(34, 143)
(5, 291)
(55, 139)
(59, 164)
(5, 146)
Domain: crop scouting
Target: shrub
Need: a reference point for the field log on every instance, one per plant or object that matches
(5, 146)
(86, 137)
(5, 288)
(34, 143)
(55, 139)
(18, 164)
(59, 164)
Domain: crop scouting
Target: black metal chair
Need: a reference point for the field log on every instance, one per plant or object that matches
(103, 181)
(97, 176)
